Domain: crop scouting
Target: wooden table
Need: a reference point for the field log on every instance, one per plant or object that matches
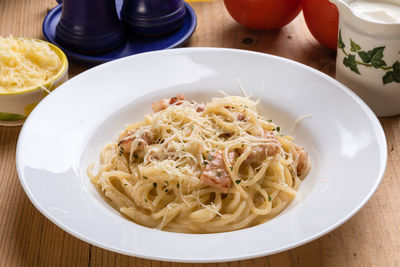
(27, 238)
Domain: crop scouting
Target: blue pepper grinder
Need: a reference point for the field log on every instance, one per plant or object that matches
(152, 17)
(89, 26)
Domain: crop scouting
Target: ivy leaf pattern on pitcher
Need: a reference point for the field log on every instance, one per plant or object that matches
(377, 55)
(340, 42)
(371, 59)
(350, 61)
(392, 76)
(354, 46)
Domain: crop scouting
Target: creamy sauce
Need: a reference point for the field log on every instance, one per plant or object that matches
(377, 11)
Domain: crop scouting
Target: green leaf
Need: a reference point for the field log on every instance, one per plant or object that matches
(388, 78)
(378, 63)
(396, 71)
(354, 46)
(340, 42)
(377, 55)
(350, 62)
(366, 57)
(377, 49)
(396, 66)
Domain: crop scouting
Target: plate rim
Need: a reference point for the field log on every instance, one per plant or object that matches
(368, 112)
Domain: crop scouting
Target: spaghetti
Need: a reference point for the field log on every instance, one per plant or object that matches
(197, 168)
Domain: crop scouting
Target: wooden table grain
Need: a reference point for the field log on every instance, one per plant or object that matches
(27, 238)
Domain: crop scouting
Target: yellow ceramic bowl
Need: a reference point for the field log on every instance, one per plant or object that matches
(16, 106)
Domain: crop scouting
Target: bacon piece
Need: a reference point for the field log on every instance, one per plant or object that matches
(200, 108)
(126, 140)
(272, 149)
(160, 105)
(259, 153)
(241, 117)
(175, 99)
(303, 163)
(215, 173)
(164, 103)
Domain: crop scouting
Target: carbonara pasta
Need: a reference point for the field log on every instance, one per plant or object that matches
(198, 168)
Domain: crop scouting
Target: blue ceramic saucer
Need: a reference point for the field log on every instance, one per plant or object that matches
(134, 44)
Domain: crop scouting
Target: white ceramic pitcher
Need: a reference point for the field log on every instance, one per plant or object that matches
(368, 54)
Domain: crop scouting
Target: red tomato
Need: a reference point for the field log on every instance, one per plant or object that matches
(263, 14)
(322, 19)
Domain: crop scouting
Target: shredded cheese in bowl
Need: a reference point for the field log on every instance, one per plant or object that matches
(26, 64)
(29, 70)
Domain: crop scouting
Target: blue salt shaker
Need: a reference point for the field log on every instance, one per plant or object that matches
(152, 17)
(89, 26)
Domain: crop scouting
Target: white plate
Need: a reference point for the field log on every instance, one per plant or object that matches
(68, 129)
